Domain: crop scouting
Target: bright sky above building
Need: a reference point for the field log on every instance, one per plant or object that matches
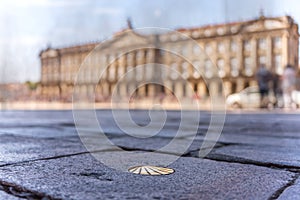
(28, 26)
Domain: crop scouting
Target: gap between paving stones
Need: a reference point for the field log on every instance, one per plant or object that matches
(22, 192)
(193, 153)
(277, 194)
(233, 159)
(55, 157)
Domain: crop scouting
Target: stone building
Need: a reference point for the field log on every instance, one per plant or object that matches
(236, 49)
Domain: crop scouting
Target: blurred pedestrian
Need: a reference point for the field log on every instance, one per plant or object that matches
(263, 77)
(277, 91)
(288, 85)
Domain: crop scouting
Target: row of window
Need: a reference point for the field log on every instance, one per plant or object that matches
(221, 46)
(184, 70)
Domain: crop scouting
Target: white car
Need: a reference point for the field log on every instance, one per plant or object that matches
(296, 97)
(248, 98)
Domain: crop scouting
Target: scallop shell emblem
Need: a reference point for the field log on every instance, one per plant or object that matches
(151, 170)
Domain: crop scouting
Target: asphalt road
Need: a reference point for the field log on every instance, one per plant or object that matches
(255, 155)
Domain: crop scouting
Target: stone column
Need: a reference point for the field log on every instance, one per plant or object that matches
(105, 89)
(168, 85)
(240, 84)
(201, 87)
(151, 90)
(269, 54)
(213, 88)
(227, 88)
(285, 49)
(178, 90)
(189, 90)
(239, 55)
(142, 91)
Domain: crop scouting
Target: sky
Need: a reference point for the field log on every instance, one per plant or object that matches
(29, 26)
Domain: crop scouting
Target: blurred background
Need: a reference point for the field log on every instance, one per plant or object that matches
(29, 27)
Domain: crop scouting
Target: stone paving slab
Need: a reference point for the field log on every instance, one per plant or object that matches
(292, 192)
(15, 149)
(35, 118)
(40, 132)
(82, 177)
(6, 196)
(45, 155)
(157, 143)
(288, 156)
(262, 140)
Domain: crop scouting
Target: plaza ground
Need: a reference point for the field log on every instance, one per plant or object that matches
(257, 156)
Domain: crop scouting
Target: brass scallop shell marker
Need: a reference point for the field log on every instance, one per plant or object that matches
(151, 170)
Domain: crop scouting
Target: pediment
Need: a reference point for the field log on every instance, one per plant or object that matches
(50, 53)
(274, 24)
(128, 39)
(261, 25)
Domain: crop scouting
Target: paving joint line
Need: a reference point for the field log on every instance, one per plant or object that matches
(55, 157)
(22, 192)
(277, 193)
(232, 159)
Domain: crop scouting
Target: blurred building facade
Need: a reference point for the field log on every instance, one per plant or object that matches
(237, 49)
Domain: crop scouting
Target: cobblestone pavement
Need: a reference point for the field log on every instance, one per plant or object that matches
(256, 157)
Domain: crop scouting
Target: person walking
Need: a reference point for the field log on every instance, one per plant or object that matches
(288, 85)
(263, 77)
(277, 90)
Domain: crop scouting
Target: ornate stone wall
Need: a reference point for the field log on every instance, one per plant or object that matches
(237, 49)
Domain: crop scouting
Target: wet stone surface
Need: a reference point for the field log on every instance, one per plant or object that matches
(292, 192)
(5, 196)
(83, 177)
(41, 155)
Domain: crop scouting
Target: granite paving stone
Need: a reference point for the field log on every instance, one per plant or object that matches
(40, 132)
(19, 149)
(292, 192)
(6, 196)
(157, 144)
(288, 156)
(83, 177)
(256, 156)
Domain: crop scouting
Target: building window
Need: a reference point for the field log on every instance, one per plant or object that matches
(207, 32)
(234, 67)
(196, 67)
(221, 66)
(149, 71)
(233, 46)
(220, 31)
(196, 49)
(278, 65)
(174, 71)
(196, 34)
(262, 60)
(121, 71)
(112, 71)
(129, 74)
(247, 45)
(208, 48)
(262, 43)
(185, 70)
(185, 50)
(221, 47)
(248, 66)
(150, 55)
(130, 60)
(277, 42)
(140, 55)
(208, 69)
(139, 73)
